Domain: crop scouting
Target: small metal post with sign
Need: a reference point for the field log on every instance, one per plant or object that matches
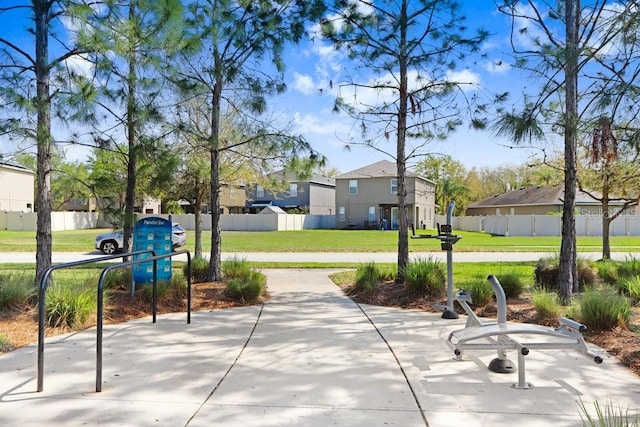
(152, 233)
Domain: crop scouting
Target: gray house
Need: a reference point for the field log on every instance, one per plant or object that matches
(368, 197)
(17, 189)
(540, 200)
(315, 196)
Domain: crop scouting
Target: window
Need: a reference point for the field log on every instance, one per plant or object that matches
(394, 185)
(341, 214)
(353, 186)
(372, 213)
(259, 191)
(293, 190)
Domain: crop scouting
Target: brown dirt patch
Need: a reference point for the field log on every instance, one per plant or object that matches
(623, 344)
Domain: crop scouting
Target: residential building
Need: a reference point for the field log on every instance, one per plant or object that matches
(315, 196)
(368, 197)
(17, 189)
(540, 200)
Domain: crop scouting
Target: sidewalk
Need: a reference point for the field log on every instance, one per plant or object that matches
(311, 357)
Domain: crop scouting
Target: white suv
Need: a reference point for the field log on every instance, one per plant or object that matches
(110, 243)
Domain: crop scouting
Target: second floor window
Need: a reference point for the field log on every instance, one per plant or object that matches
(394, 186)
(353, 186)
(293, 190)
(259, 191)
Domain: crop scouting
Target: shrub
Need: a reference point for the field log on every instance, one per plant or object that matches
(604, 310)
(70, 304)
(389, 273)
(545, 303)
(235, 268)
(16, 290)
(629, 267)
(199, 270)
(426, 277)
(587, 276)
(367, 277)
(630, 286)
(608, 272)
(480, 291)
(120, 278)
(512, 285)
(546, 272)
(165, 290)
(5, 345)
(247, 288)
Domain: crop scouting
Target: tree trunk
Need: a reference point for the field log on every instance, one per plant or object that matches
(606, 219)
(197, 212)
(403, 226)
(568, 265)
(131, 138)
(43, 140)
(215, 260)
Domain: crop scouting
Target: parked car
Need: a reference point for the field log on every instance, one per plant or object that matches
(112, 242)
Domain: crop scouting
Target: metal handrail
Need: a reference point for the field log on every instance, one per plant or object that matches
(100, 316)
(47, 274)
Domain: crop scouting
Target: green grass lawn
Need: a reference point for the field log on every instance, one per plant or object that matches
(327, 241)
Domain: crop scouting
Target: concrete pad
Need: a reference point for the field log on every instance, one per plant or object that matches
(310, 356)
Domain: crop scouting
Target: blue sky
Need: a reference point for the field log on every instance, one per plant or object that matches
(311, 65)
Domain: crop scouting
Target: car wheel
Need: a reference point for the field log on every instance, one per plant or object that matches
(109, 247)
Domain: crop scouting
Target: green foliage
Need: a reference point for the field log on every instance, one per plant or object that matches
(389, 272)
(5, 344)
(512, 284)
(480, 291)
(587, 275)
(426, 277)
(367, 277)
(610, 416)
(119, 278)
(608, 272)
(547, 273)
(235, 267)
(604, 310)
(629, 267)
(166, 290)
(246, 288)
(15, 290)
(70, 303)
(199, 269)
(545, 303)
(630, 287)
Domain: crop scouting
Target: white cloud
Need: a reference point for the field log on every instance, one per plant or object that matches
(467, 79)
(303, 83)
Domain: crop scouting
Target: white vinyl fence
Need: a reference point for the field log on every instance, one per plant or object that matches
(542, 225)
(60, 221)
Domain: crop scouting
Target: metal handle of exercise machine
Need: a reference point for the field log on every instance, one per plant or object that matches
(501, 299)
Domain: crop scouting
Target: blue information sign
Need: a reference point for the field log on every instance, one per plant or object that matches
(152, 233)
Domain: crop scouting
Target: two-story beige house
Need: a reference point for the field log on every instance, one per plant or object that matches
(16, 188)
(368, 198)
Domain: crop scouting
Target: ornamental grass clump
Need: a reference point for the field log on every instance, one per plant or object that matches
(426, 277)
(545, 303)
(16, 291)
(630, 287)
(367, 277)
(512, 284)
(601, 310)
(480, 291)
(70, 304)
(247, 288)
(199, 270)
(235, 268)
(629, 267)
(608, 272)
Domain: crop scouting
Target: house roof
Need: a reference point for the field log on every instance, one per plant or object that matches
(541, 195)
(314, 179)
(381, 169)
(16, 167)
(272, 210)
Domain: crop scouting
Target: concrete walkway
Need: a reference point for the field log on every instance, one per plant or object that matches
(310, 356)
